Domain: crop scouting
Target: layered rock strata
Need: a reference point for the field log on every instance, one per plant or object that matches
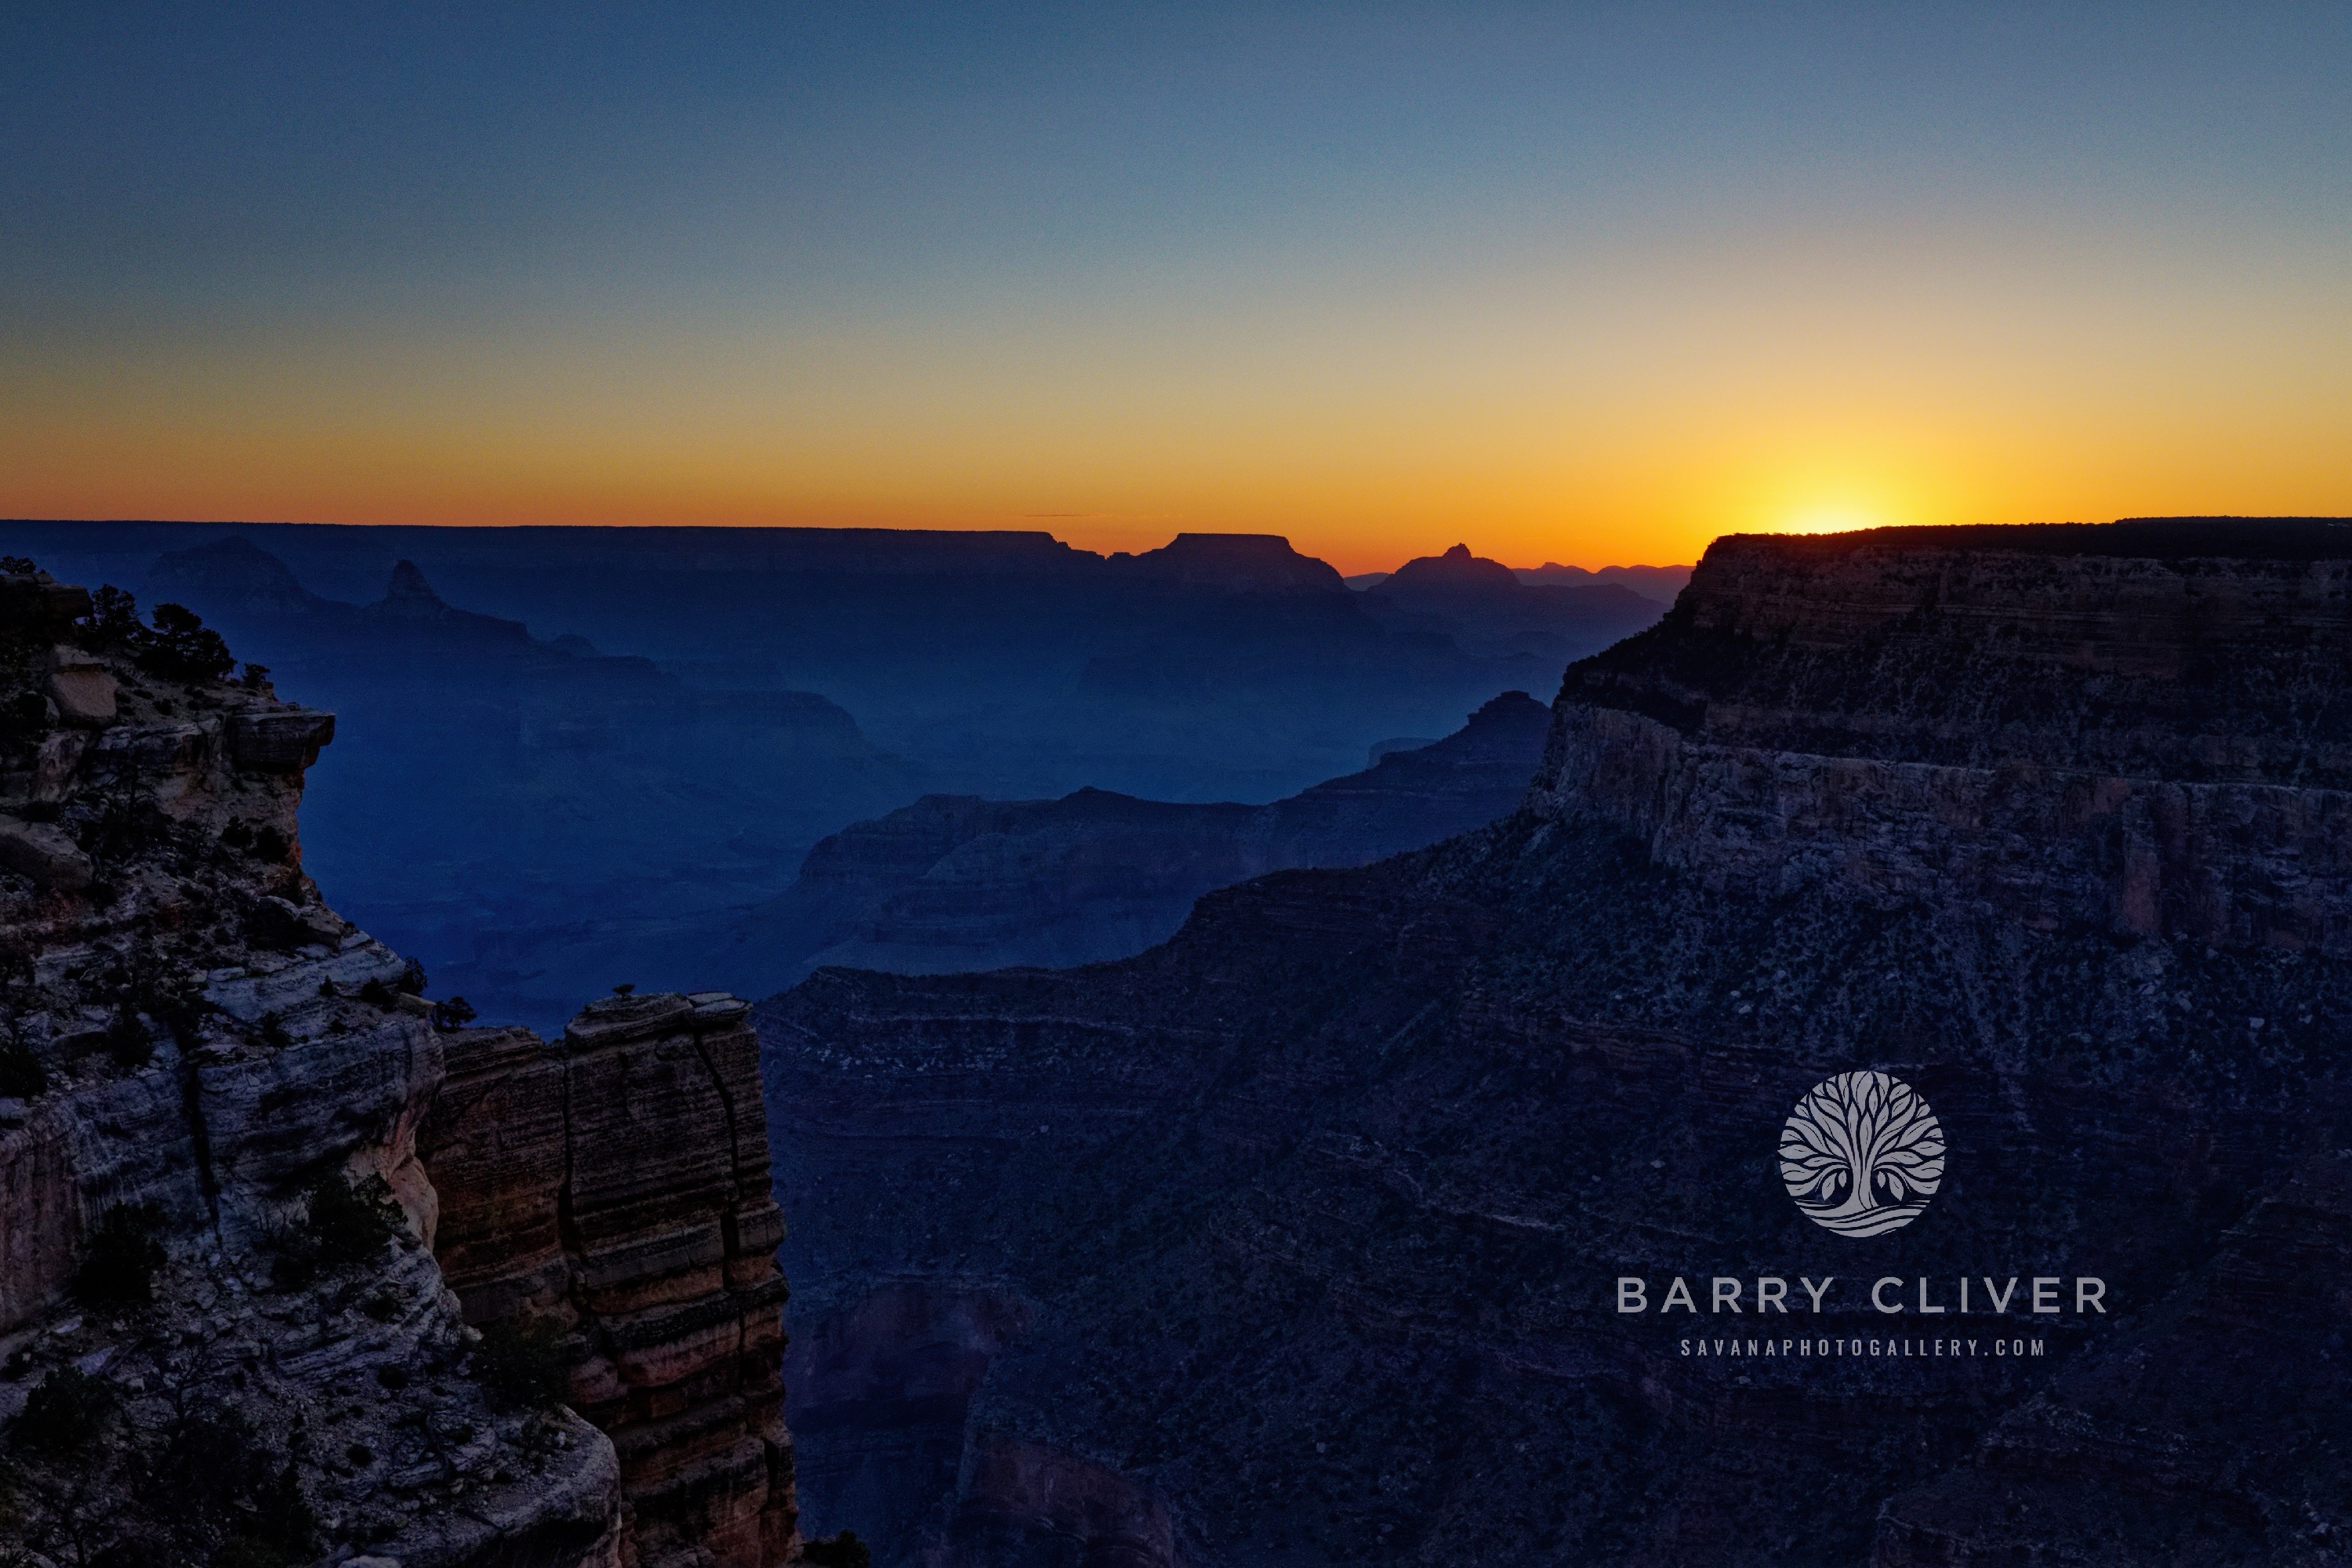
(224, 1334)
(614, 1183)
(1314, 1216)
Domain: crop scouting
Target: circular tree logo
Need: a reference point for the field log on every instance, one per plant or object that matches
(1862, 1153)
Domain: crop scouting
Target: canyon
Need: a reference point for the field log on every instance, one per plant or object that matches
(576, 758)
(1006, 663)
(955, 882)
(1294, 1241)
(298, 1266)
(1298, 1239)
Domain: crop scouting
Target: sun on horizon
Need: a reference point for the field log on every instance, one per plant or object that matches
(1830, 518)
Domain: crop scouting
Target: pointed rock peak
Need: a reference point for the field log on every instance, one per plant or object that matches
(1456, 569)
(408, 583)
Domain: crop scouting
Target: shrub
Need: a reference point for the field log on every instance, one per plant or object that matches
(22, 1076)
(125, 825)
(842, 1551)
(66, 1412)
(523, 1365)
(343, 1225)
(23, 719)
(454, 1014)
(127, 1043)
(376, 993)
(177, 1006)
(224, 1477)
(412, 978)
(271, 1030)
(270, 846)
(353, 1223)
(118, 1270)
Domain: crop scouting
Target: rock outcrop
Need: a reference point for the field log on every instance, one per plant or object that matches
(223, 1333)
(1485, 605)
(1235, 563)
(613, 1185)
(1314, 1218)
(955, 882)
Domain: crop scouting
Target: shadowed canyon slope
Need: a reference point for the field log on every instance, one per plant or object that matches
(579, 757)
(1219, 666)
(528, 816)
(953, 882)
(1296, 1240)
(1485, 605)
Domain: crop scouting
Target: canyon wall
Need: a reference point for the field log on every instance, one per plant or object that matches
(1307, 1225)
(614, 1183)
(225, 1334)
(954, 882)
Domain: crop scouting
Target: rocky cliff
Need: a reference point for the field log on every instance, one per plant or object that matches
(613, 1187)
(224, 1335)
(1300, 1238)
(957, 882)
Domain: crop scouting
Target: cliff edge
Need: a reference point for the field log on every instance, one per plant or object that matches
(234, 1156)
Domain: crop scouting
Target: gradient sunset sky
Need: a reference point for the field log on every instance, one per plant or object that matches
(1585, 284)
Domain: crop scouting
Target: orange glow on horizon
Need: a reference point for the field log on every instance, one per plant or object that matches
(1353, 541)
(1740, 280)
(1616, 425)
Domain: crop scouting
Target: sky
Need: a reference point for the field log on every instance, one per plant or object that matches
(1584, 284)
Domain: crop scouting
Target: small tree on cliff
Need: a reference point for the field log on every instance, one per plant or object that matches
(182, 647)
(842, 1551)
(118, 1270)
(523, 1364)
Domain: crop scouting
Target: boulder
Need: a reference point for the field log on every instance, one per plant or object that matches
(279, 741)
(82, 688)
(44, 853)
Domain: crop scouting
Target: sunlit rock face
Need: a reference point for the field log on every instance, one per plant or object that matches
(1315, 1214)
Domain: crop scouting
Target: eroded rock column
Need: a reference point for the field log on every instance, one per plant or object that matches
(616, 1182)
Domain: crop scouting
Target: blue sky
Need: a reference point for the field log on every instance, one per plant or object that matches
(948, 265)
